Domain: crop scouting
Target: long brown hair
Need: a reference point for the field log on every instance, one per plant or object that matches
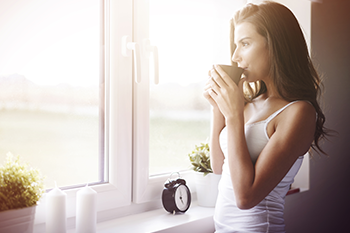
(292, 71)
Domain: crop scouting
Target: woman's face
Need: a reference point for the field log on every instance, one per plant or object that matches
(251, 52)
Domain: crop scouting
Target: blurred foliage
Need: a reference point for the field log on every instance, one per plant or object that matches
(200, 159)
(20, 185)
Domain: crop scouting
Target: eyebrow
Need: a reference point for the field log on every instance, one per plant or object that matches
(244, 38)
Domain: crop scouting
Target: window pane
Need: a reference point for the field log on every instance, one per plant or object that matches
(191, 36)
(49, 87)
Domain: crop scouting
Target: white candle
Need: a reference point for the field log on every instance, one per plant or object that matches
(56, 220)
(86, 210)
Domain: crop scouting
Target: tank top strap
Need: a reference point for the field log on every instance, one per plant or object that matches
(273, 115)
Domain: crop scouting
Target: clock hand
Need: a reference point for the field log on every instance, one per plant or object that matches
(181, 197)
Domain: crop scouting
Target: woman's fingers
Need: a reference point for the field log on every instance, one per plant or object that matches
(208, 95)
(220, 76)
(213, 88)
(212, 85)
(215, 77)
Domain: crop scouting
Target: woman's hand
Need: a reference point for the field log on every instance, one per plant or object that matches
(206, 93)
(224, 94)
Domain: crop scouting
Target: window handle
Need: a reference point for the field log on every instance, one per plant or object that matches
(127, 47)
(148, 49)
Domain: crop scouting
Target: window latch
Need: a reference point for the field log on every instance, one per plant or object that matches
(127, 45)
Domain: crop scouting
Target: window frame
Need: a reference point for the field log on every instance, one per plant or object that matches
(117, 192)
(146, 188)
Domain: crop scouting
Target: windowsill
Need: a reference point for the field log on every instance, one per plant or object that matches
(197, 219)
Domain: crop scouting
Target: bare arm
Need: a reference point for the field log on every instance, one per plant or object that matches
(292, 138)
(217, 124)
(216, 155)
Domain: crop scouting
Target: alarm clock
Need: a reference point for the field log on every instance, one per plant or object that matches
(176, 196)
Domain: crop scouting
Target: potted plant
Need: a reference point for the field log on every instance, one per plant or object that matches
(205, 180)
(21, 187)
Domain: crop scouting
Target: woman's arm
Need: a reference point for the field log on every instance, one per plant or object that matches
(216, 155)
(218, 123)
(292, 138)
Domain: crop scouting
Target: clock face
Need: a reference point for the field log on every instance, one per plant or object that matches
(182, 198)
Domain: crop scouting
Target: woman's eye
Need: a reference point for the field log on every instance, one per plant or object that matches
(244, 44)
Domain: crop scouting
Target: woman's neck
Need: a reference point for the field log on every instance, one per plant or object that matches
(271, 91)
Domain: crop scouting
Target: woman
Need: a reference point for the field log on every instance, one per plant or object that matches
(263, 126)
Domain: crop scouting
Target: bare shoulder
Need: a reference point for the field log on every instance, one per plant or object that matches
(301, 110)
(299, 118)
(296, 127)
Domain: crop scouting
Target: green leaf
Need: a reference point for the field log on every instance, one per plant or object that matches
(200, 158)
(20, 185)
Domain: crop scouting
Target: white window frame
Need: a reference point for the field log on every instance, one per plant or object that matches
(117, 192)
(145, 189)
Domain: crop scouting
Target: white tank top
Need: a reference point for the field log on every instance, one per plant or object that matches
(267, 216)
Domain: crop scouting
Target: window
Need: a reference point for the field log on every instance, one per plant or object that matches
(189, 40)
(172, 116)
(51, 88)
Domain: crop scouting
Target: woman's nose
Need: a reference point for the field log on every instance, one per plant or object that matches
(235, 56)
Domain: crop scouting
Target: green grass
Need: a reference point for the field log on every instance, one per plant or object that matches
(64, 147)
(172, 141)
